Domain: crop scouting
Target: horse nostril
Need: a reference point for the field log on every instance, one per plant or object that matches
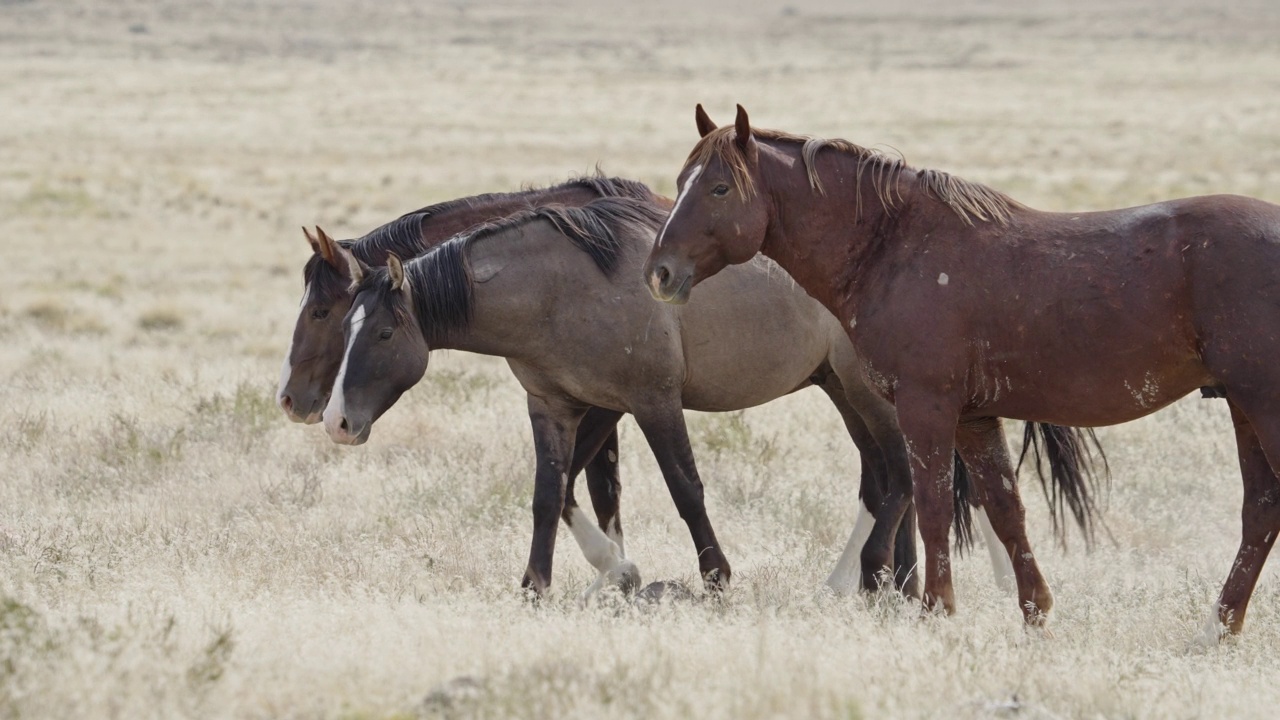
(343, 425)
(663, 274)
(286, 402)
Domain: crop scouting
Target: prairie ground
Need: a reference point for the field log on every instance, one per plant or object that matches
(170, 546)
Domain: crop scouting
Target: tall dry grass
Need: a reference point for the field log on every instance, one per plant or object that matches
(171, 547)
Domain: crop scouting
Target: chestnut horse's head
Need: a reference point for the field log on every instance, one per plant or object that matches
(311, 363)
(720, 215)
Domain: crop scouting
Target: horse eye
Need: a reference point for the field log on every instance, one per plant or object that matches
(385, 334)
(720, 190)
(319, 313)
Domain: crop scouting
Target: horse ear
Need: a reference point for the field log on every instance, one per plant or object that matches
(396, 270)
(346, 260)
(328, 248)
(743, 127)
(705, 126)
(311, 240)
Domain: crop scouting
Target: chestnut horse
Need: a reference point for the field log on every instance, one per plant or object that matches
(966, 306)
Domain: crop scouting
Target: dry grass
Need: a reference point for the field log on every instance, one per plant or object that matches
(171, 547)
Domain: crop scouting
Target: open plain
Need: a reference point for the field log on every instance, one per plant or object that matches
(171, 546)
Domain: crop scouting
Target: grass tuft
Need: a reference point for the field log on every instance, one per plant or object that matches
(160, 320)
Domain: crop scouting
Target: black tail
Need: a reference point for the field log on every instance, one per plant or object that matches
(963, 497)
(1075, 484)
(906, 572)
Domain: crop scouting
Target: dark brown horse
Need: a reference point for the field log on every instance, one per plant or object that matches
(315, 349)
(966, 306)
(556, 291)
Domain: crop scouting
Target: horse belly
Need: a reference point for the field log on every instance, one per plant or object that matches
(1086, 379)
(750, 336)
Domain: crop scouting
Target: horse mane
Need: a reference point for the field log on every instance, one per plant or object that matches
(403, 236)
(442, 282)
(968, 199)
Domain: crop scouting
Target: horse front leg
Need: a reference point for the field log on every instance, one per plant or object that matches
(554, 424)
(928, 425)
(982, 445)
(664, 429)
(604, 484)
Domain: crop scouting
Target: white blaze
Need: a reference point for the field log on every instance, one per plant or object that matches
(684, 192)
(846, 578)
(1001, 565)
(337, 407)
(615, 532)
(286, 370)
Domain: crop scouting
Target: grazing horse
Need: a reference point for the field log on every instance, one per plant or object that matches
(966, 306)
(556, 291)
(315, 349)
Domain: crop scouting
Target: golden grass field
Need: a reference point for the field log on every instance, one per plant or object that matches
(171, 546)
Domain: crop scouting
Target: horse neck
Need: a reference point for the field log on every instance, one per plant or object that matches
(507, 311)
(438, 226)
(825, 239)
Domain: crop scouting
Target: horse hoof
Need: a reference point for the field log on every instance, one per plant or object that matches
(715, 582)
(622, 579)
(1212, 633)
(664, 591)
(1039, 629)
(626, 577)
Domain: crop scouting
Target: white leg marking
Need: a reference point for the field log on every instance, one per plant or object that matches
(847, 577)
(1001, 565)
(600, 551)
(1213, 631)
(337, 407)
(684, 192)
(286, 370)
(603, 554)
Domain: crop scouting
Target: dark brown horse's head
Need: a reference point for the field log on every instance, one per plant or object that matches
(311, 363)
(720, 215)
(384, 351)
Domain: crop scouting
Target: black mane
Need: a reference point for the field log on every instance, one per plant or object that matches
(404, 235)
(441, 278)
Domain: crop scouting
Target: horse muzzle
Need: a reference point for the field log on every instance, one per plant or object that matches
(345, 432)
(308, 414)
(669, 284)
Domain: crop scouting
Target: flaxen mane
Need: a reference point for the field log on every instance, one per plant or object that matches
(441, 282)
(403, 236)
(969, 200)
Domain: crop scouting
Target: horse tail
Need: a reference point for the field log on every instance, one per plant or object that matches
(962, 487)
(1073, 483)
(906, 571)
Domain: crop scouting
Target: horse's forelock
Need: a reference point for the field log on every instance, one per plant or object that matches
(719, 144)
(377, 282)
(326, 283)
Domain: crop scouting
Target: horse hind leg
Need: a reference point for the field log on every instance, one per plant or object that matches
(982, 445)
(602, 546)
(1258, 445)
(605, 486)
(884, 531)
